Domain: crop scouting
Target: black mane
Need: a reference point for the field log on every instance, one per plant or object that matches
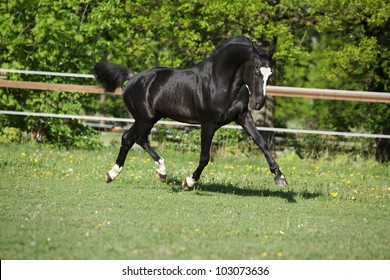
(262, 52)
(234, 40)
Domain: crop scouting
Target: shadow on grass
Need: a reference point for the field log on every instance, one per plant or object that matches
(287, 194)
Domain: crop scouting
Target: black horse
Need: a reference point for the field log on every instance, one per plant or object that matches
(213, 93)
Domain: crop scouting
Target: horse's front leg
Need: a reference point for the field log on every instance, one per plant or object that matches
(207, 133)
(247, 123)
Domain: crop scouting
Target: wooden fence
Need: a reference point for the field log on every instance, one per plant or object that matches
(363, 96)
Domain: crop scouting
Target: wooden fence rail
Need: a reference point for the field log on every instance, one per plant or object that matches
(363, 96)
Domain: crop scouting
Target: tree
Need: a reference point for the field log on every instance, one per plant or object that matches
(349, 49)
(47, 35)
(320, 43)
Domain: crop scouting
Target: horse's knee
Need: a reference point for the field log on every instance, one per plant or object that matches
(127, 141)
(204, 160)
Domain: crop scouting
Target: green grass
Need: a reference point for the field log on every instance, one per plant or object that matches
(56, 205)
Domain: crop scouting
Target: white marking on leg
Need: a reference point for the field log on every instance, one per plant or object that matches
(190, 182)
(282, 176)
(114, 172)
(161, 167)
(266, 72)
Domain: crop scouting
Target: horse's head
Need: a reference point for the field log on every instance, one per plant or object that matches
(257, 72)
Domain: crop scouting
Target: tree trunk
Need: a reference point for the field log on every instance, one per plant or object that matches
(382, 153)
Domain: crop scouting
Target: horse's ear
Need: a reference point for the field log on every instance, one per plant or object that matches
(254, 49)
(271, 53)
(272, 49)
(259, 49)
(264, 48)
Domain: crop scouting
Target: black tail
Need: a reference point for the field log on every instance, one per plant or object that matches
(111, 75)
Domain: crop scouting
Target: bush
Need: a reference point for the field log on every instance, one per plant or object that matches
(320, 146)
(10, 134)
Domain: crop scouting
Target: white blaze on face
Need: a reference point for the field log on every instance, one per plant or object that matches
(266, 72)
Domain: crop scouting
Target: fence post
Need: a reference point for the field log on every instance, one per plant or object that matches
(102, 108)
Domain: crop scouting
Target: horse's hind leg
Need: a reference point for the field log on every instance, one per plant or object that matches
(128, 140)
(161, 171)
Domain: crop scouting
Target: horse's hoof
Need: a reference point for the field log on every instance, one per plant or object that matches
(108, 178)
(281, 181)
(161, 177)
(188, 184)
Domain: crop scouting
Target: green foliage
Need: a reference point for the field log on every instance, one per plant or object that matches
(63, 132)
(321, 44)
(348, 49)
(312, 146)
(48, 36)
(10, 134)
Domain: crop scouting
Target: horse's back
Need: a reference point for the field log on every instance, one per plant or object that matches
(165, 92)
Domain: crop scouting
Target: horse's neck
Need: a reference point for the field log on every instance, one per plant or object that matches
(228, 63)
(233, 54)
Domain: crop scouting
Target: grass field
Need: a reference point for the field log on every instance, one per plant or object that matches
(56, 205)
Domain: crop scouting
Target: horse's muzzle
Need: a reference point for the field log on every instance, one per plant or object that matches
(257, 104)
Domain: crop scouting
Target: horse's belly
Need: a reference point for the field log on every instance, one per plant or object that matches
(179, 112)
